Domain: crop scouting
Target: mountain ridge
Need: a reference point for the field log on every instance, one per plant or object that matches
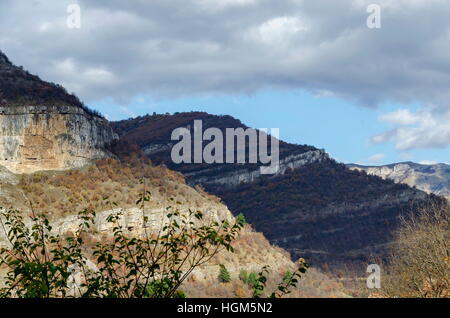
(335, 214)
(152, 133)
(431, 178)
(21, 88)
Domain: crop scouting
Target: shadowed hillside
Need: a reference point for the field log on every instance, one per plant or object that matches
(315, 207)
(20, 88)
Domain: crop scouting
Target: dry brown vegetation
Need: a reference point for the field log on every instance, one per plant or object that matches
(252, 252)
(64, 193)
(313, 284)
(60, 194)
(420, 262)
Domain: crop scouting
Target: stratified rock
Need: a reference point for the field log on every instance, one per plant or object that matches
(34, 138)
(42, 127)
(433, 178)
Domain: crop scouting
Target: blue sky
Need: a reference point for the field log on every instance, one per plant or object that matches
(342, 128)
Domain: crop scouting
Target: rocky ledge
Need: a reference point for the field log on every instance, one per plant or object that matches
(34, 138)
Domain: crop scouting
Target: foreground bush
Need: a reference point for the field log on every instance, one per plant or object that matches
(42, 264)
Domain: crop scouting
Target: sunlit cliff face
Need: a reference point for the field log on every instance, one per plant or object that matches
(34, 138)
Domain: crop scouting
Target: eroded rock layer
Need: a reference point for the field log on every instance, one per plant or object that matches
(34, 138)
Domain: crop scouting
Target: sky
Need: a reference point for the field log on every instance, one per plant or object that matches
(312, 68)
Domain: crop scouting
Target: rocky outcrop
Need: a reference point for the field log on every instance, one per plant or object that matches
(34, 138)
(252, 250)
(429, 178)
(42, 127)
(314, 206)
(234, 178)
(153, 135)
(131, 220)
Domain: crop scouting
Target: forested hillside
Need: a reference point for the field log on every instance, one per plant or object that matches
(320, 209)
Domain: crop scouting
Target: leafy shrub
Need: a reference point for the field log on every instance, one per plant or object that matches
(40, 263)
(285, 286)
(287, 276)
(252, 278)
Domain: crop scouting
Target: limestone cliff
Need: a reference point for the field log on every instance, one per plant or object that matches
(231, 179)
(429, 178)
(36, 138)
(42, 127)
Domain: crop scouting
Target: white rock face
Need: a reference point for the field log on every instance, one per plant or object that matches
(235, 178)
(132, 220)
(429, 178)
(34, 138)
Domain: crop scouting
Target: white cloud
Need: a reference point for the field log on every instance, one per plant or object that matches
(77, 76)
(376, 158)
(427, 128)
(401, 117)
(280, 30)
(216, 5)
(45, 26)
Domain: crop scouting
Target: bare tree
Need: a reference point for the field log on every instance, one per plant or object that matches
(420, 262)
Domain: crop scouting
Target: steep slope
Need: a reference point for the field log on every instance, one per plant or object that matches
(429, 178)
(20, 88)
(42, 127)
(61, 194)
(314, 207)
(153, 135)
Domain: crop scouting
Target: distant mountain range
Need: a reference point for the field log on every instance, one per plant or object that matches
(314, 207)
(434, 178)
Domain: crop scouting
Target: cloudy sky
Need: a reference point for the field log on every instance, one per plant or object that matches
(312, 68)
